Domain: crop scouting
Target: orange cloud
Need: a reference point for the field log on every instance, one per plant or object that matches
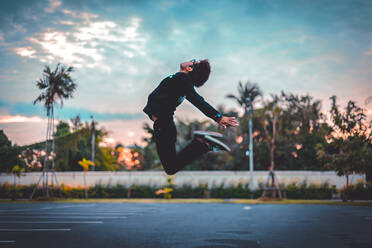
(19, 118)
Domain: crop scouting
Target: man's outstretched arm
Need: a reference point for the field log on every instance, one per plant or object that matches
(199, 102)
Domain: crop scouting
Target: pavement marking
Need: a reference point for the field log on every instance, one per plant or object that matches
(247, 208)
(7, 241)
(70, 217)
(71, 206)
(34, 230)
(59, 214)
(17, 210)
(54, 222)
(31, 209)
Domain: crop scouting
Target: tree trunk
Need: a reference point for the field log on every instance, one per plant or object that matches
(272, 148)
(85, 186)
(369, 175)
(346, 195)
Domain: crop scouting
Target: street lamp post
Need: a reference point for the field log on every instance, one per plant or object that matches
(93, 143)
(249, 111)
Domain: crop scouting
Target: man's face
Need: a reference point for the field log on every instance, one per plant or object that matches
(188, 65)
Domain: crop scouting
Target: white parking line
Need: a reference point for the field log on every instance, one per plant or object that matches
(78, 205)
(35, 230)
(7, 241)
(54, 222)
(59, 214)
(17, 210)
(69, 217)
(31, 209)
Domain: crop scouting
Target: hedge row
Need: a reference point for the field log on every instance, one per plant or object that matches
(291, 191)
(359, 191)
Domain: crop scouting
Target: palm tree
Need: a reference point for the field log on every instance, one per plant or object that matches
(54, 85)
(76, 123)
(247, 97)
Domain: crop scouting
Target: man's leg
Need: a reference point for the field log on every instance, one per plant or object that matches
(165, 137)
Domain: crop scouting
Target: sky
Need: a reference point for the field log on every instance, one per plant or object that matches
(121, 50)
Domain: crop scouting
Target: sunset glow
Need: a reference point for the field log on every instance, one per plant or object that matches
(122, 51)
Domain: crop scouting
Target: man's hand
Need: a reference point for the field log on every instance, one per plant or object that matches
(226, 121)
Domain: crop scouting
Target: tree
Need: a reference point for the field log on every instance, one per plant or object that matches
(369, 170)
(55, 85)
(349, 142)
(271, 118)
(6, 154)
(271, 122)
(76, 123)
(248, 95)
(303, 127)
(62, 128)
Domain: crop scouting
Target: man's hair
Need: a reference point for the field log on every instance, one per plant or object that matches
(200, 72)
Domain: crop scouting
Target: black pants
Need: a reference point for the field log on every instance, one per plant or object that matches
(165, 137)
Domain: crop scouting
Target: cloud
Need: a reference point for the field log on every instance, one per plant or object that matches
(369, 52)
(25, 51)
(57, 47)
(85, 41)
(19, 118)
(165, 5)
(23, 133)
(81, 15)
(53, 5)
(126, 132)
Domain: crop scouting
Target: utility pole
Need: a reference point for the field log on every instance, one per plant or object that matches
(93, 143)
(249, 111)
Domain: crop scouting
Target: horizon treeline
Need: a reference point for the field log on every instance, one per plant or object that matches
(289, 133)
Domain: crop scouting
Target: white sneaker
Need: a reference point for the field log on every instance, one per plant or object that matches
(209, 133)
(215, 144)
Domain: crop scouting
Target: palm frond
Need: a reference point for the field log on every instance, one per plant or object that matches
(55, 85)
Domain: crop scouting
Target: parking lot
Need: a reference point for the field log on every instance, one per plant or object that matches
(183, 225)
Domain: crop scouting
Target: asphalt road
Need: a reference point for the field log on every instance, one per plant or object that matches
(202, 225)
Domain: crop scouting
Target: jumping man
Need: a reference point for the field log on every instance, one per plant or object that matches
(162, 103)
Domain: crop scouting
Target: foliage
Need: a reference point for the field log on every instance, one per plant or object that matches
(56, 84)
(349, 141)
(359, 191)
(85, 164)
(303, 139)
(308, 191)
(168, 189)
(17, 171)
(8, 153)
(301, 190)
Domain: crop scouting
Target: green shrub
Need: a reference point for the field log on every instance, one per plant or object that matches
(301, 190)
(306, 191)
(238, 191)
(187, 191)
(359, 191)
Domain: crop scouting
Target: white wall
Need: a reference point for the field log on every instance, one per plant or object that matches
(158, 178)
